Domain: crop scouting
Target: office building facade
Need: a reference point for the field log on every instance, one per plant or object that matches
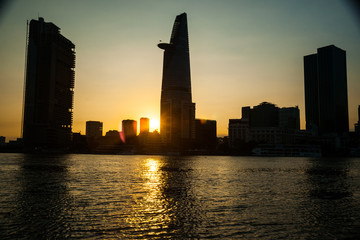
(94, 129)
(144, 125)
(177, 111)
(129, 130)
(49, 84)
(326, 99)
(265, 123)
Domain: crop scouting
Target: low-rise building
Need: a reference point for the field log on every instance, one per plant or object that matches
(266, 124)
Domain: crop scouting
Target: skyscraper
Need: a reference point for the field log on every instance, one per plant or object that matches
(129, 129)
(94, 129)
(144, 125)
(49, 87)
(326, 100)
(177, 111)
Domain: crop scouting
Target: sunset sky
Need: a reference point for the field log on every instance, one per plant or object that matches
(242, 53)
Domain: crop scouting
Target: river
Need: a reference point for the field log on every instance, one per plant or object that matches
(173, 197)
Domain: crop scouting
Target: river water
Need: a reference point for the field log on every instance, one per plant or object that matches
(161, 197)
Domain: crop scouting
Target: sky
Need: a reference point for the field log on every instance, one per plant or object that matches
(242, 53)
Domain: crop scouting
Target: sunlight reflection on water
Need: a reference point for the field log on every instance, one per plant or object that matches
(142, 197)
(149, 212)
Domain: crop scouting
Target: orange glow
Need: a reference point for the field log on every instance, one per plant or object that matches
(152, 165)
(154, 125)
(203, 121)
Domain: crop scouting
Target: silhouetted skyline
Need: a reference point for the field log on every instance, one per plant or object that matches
(242, 53)
(264, 124)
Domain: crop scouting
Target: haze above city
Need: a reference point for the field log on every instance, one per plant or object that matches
(241, 54)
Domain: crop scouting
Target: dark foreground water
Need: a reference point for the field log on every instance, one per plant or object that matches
(158, 197)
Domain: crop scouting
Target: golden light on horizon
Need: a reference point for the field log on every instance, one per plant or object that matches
(154, 125)
(131, 64)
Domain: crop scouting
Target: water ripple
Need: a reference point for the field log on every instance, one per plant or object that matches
(141, 197)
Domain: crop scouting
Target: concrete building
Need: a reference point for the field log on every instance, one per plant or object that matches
(177, 111)
(94, 129)
(239, 130)
(272, 135)
(265, 123)
(326, 99)
(49, 87)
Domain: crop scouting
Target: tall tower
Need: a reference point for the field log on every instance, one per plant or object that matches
(177, 111)
(326, 99)
(144, 125)
(49, 87)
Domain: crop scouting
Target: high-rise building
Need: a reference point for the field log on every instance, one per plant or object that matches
(144, 125)
(49, 85)
(94, 129)
(177, 111)
(326, 99)
(129, 129)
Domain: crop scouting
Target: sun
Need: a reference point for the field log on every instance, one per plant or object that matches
(154, 125)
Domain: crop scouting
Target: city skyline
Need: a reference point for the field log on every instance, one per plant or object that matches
(250, 54)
